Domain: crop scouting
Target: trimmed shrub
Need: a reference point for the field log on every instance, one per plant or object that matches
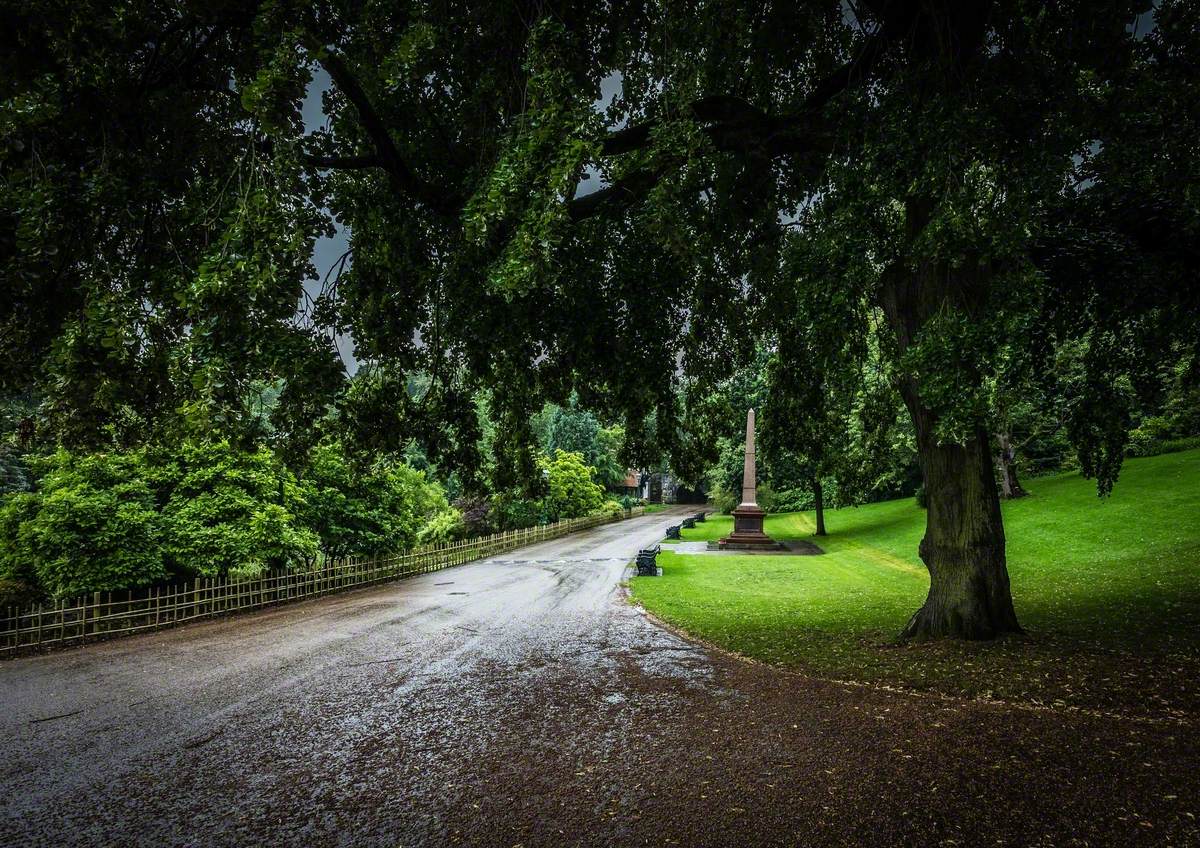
(515, 513)
(764, 495)
(96, 526)
(385, 506)
(572, 490)
(114, 521)
(477, 516)
(799, 499)
(443, 526)
(230, 511)
(16, 555)
(18, 593)
(723, 499)
(612, 509)
(1156, 447)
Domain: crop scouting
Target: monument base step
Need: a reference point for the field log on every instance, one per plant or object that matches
(792, 546)
(769, 545)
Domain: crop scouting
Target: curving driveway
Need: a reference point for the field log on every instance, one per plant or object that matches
(521, 701)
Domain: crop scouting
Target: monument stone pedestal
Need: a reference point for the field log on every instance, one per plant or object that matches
(748, 517)
(748, 530)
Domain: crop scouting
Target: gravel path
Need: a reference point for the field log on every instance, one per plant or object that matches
(521, 701)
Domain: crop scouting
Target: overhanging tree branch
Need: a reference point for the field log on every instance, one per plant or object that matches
(344, 163)
(737, 126)
(732, 124)
(403, 178)
(620, 195)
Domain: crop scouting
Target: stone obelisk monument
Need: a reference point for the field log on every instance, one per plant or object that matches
(748, 517)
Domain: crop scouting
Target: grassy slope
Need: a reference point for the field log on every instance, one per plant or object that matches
(1108, 590)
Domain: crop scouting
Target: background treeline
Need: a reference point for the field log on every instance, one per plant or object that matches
(125, 513)
(854, 444)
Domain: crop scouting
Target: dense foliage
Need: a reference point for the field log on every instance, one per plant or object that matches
(229, 511)
(95, 525)
(369, 510)
(123, 520)
(88, 521)
(575, 430)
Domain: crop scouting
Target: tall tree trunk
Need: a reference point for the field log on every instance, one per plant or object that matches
(819, 505)
(963, 547)
(1006, 468)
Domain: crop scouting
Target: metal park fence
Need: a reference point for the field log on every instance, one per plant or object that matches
(104, 615)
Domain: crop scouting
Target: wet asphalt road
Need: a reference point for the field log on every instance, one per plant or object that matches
(522, 701)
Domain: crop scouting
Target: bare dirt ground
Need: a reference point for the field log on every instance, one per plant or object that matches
(522, 701)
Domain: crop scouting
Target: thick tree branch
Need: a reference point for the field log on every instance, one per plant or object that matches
(620, 195)
(725, 110)
(403, 178)
(344, 163)
(731, 123)
(737, 126)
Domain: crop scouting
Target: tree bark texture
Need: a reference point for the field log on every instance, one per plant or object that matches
(819, 506)
(1006, 468)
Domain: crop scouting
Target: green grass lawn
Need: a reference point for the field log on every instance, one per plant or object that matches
(1108, 590)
